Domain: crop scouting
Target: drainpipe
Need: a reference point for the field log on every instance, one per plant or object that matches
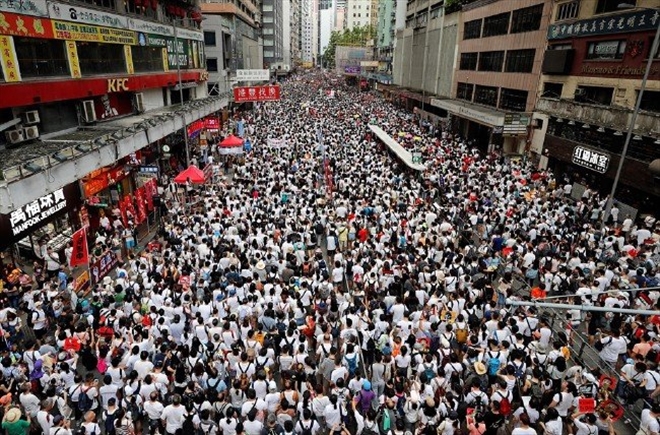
(437, 63)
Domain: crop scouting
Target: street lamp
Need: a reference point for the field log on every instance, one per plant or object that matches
(633, 119)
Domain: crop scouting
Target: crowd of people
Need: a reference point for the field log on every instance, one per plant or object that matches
(324, 288)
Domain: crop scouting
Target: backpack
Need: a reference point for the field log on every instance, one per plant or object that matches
(518, 371)
(505, 405)
(109, 423)
(461, 335)
(101, 365)
(473, 319)
(494, 364)
(188, 426)
(352, 365)
(85, 403)
(429, 372)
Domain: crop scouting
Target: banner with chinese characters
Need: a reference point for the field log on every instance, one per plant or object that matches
(23, 25)
(80, 253)
(8, 59)
(151, 190)
(22, 221)
(103, 266)
(74, 62)
(87, 33)
(244, 94)
(640, 20)
(129, 59)
(591, 159)
(37, 8)
(141, 209)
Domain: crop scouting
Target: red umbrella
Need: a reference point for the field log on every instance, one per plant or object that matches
(231, 141)
(193, 173)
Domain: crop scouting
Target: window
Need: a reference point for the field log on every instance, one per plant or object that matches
(606, 50)
(486, 95)
(521, 61)
(566, 11)
(464, 91)
(98, 58)
(268, 31)
(267, 8)
(147, 59)
(513, 100)
(552, 90)
(594, 95)
(527, 19)
(435, 12)
(269, 53)
(269, 42)
(651, 101)
(469, 61)
(491, 60)
(472, 29)
(209, 38)
(268, 19)
(41, 57)
(211, 64)
(496, 24)
(605, 6)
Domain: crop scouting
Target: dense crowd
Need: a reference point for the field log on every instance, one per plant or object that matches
(324, 288)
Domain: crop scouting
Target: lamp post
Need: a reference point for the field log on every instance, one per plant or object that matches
(633, 118)
(180, 85)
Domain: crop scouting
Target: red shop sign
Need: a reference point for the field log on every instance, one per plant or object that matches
(243, 94)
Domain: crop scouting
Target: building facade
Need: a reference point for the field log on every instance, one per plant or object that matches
(500, 48)
(326, 24)
(91, 95)
(360, 13)
(273, 31)
(307, 41)
(232, 41)
(424, 54)
(592, 68)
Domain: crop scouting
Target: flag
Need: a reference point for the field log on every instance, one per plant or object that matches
(80, 253)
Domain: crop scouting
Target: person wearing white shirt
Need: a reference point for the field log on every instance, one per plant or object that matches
(154, 411)
(173, 416)
(553, 424)
(649, 424)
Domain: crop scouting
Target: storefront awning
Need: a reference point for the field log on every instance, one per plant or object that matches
(473, 112)
(403, 154)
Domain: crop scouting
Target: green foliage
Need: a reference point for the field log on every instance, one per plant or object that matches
(356, 37)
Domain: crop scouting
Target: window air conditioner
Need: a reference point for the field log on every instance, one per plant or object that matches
(89, 112)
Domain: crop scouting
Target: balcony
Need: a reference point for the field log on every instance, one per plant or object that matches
(617, 118)
(31, 169)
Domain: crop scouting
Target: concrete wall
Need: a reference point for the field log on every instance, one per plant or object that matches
(153, 99)
(435, 51)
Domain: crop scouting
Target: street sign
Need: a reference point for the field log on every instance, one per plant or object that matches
(243, 94)
(252, 75)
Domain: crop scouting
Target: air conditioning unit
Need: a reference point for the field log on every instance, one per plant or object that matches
(32, 117)
(31, 132)
(15, 136)
(139, 102)
(89, 112)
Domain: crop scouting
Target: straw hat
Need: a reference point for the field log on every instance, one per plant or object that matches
(479, 368)
(13, 415)
(260, 265)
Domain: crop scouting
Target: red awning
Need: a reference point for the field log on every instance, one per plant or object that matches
(193, 173)
(231, 141)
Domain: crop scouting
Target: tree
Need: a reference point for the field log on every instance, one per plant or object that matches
(355, 37)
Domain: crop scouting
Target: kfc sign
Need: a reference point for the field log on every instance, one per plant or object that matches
(38, 210)
(244, 94)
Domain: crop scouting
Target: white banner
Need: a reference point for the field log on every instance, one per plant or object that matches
(276, 143)
(252, 75)
(77, 14)
(37, 8)
(230, 151)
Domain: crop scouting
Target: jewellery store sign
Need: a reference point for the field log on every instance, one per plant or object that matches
(23, 220)
(591, 159)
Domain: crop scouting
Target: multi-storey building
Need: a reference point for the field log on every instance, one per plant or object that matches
(386, 34)
(595, 58)
(232, 40)
(295, 41)
(91, 94)
(340, 16)
(326, 23)
(307, 41)
(273, 31)
(498, 66)
(360, 13)
(424, 53)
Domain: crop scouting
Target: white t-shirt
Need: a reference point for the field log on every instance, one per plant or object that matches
(173, 416)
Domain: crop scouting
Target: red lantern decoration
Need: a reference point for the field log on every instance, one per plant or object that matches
(170, 9)
(138, 3)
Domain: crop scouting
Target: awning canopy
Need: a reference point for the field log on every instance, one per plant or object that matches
(232, 141)
(193, 173)
(403, 154)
